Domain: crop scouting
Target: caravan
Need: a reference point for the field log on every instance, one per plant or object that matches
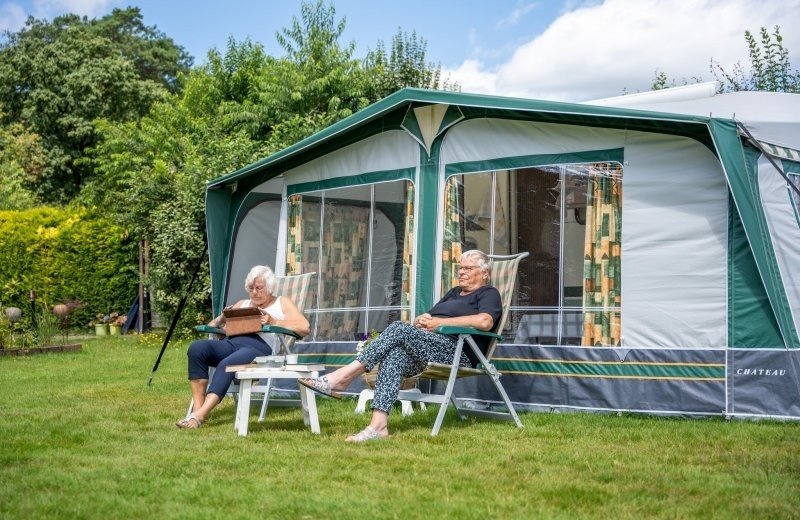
(663, 231)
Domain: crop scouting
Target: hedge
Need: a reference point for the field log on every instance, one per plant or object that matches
(66, 255)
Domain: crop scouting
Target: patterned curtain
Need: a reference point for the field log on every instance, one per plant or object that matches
(601, 262)
(451, 248)
(344, 251)
(408, 257)
(294, 247)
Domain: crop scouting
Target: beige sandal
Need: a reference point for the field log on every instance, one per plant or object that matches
(186, 423)
(320, 385)
(367, 434)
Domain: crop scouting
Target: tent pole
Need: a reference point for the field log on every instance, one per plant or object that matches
(178, 312)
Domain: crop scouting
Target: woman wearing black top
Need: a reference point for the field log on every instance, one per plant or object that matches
(403, 349)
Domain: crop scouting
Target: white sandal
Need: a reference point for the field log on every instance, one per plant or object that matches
(320, 385)
(367, 434)
(185, 424)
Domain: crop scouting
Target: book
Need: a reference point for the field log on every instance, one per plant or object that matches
(244, 320)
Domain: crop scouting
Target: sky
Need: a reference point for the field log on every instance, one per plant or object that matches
(563, 50)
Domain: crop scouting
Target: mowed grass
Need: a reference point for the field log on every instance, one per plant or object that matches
(82, 436)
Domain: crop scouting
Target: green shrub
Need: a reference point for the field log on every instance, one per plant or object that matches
(66, 255)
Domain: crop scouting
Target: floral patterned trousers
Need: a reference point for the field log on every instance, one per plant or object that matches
(403, 351)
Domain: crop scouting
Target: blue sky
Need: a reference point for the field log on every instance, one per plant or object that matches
(568, 50)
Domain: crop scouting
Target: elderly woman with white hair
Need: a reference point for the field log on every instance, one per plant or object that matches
(403, 349)
(238, 350)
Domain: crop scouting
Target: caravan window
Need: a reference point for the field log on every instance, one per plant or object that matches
(568, 217)
(358, 240)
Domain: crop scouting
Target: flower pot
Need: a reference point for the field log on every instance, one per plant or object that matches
(101, 329)
(115, 330)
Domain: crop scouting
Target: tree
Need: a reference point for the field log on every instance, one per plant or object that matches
(151, 173)
(57, 77)
(770, 69)
(241, 105)
(405, 66)
(22, 159)
(318, 82)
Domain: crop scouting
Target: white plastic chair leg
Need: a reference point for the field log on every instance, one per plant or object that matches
(265, 402)
(406, 407)
(366, 394)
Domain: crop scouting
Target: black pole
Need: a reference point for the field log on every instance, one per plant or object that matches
(178, 312)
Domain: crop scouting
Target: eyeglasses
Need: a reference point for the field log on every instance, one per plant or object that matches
(255, 289)
(468, 268)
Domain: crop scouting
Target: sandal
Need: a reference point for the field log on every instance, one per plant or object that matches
(319, 385)
(367, 434)
(186, 423)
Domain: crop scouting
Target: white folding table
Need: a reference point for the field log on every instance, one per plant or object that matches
(250, 381)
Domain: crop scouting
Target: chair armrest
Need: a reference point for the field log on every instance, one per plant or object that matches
(449, 329)
(208, 329)
(280, 330)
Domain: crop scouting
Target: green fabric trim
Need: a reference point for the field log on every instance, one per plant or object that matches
(326, 359)
(411, 125)
(425, 225)
(693, 372)
(740, 166)
(790, 166)
(452, 116)
(353, 180)
(219, 229)
(678, 371)
(522, 161)
(751, 322)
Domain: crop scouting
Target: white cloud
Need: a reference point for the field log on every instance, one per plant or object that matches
(614, 47)
(12, 17)
(514, 16)
(471, 78)
(91, 8)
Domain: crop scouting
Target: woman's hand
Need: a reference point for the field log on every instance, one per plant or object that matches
(426, 321)
(265, 319)
(217, 322)
(482, 321)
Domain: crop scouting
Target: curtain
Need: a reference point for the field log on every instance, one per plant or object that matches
(294, 248)
(408, 257)
(343, 274)
(601, 262)
(453, 235)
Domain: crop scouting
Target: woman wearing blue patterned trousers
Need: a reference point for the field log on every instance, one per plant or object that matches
(403, 349)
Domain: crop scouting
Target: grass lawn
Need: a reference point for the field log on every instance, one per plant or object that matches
(82, 436)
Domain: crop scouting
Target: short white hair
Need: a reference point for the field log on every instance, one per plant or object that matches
(480, 257)
(263, 273)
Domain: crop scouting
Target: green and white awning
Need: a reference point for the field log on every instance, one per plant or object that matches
(780, 151)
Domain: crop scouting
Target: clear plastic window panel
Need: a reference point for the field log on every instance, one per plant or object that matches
(355, 239)
(568, 217)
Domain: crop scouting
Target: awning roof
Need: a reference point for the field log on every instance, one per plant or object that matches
(390, 112)
(772, 117)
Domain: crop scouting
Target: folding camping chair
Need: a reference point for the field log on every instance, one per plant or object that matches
(503, 277)
(294, 287)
